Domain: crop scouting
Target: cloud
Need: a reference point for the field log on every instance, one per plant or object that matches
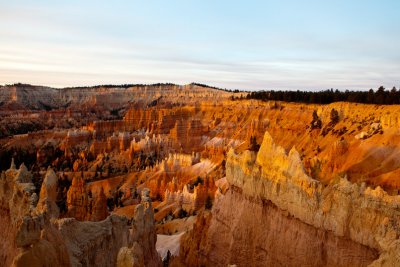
(62, 45)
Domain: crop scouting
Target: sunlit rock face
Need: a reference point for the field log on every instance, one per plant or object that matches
(341, 207)
(251, 232)
(280, 216)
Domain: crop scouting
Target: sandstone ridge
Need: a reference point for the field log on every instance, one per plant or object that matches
(364, 215)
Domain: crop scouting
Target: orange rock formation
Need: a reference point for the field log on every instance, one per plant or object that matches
(264, 186)
(32, 239)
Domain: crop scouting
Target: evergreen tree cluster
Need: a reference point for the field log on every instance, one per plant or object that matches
(217, 88)
(121, 85)
(380, 96)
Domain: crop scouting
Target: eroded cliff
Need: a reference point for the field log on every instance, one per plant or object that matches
(274, 214)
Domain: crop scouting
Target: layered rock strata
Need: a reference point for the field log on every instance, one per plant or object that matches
(364, 215)
(248, 231)
(274, 214)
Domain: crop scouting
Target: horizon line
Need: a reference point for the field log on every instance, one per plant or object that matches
(127, 85)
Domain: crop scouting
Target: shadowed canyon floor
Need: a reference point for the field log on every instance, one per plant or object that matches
(185, 176)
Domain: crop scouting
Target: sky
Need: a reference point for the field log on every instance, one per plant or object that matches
(250, 45)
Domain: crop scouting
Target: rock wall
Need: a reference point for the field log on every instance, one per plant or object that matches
(248, 231)
(274, 214)
(364, 215)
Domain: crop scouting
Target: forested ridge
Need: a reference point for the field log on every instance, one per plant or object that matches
(380, 96)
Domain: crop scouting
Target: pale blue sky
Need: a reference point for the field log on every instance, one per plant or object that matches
(233, 44)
